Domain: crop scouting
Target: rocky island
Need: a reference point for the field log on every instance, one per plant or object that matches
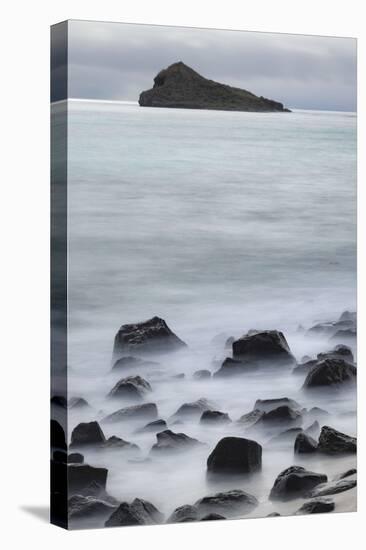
(181, 87)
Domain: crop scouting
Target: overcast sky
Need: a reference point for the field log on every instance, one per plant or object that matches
(116, 61)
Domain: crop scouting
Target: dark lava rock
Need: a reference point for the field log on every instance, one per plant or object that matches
(263, 346)
(153, 335)
(59, 401)
(130, 361)
(78, 403)
(196, 408)
(348, 473)
(267, 405)
(234, 367)
(87, 433)
(212, 517)
(145, 411)
(305, 444)
(333, 442)
(169, 441)
(338, 352)
(295, 482)
(130, 387)
(153, 427)
(75, 458)
(334, 487)
(58, 440)
(80, 507)
(179, 86)
(330, 372)
(139, 512)
(214, 417)
(227, 503)
(319, 506)
(202, 374)
(184, 514)
(235, 455)
(80, 476)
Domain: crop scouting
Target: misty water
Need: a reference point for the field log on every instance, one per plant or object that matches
(217, 222)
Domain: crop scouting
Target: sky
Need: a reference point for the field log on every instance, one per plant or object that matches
(116, 61)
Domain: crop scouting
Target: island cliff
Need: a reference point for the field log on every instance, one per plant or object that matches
(181, 87)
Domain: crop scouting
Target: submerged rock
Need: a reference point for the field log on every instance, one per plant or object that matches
(347, 473)
(139, 512)
(295, 482)
(267, 405)
(87, 433)
(234, 367)
(285, 438)
(82, 507)
(338, 352)
(131, 387)
(75, 458)
(115, 442)
(202, 374)
(319, 506)
(214, 417)
(228, 503)
(179, 86)
(78, 403)
(129, 361)
(334, 487)
(305, 444)
(269, 346)
(184, 514)
(196, 408)
(145, 411)
(283, 414)
(313, 430)
(153, 335)
(235, 455)
(333, 442)
(330, 372)
(80, 476)
(169, 441)
(153, 427)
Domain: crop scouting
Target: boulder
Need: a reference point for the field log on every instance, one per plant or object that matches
(130, 362)
(318, 506)
(80, 476)
(269, 346)
(153, 427)
(78, 403)
(149, 336)
(330, 372)
(58, 440)
(305, 444)
(115, 442)
(267, 405)
(75, 458)
(235, 455)
(304, 368)
(251, 418)
(184, 514)
(180, 87)
(85, 507)
(87, 433)
(233, 367)
(334, 487)
(196, 408)
(347, 473)
(146, 411)
(139, 512)
(283, 414)
(333, 442)
(202, 374)
(131, 387)
(347, 334)
(214, 417)
(295, 482)
(338, 352)
(168, 441)
(227, 503)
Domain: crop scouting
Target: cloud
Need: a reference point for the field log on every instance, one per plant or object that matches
(118, 61)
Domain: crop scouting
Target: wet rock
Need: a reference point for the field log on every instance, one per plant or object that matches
(129, 362)
(227, 503)
(184, 514)
(78, 403)
(149, 336)
(304, 444)
(80, 476)
(318, 506)
(153, 427)
(338, 352)
(347, 473)
(59, 401)
(131, 387)
(139, 512)
(295, 482)
(233, 367)
(146, 411)
(168, 441)
(58, 440)
(330, 372)
(334, 487)
(267, 405)
(214, 417)
(202, 374)
(87, 433)
(269, 346)
(75, 458)
(80, 507)
(212, 517)
(333, 442)
(235, 455)
(196, 408)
